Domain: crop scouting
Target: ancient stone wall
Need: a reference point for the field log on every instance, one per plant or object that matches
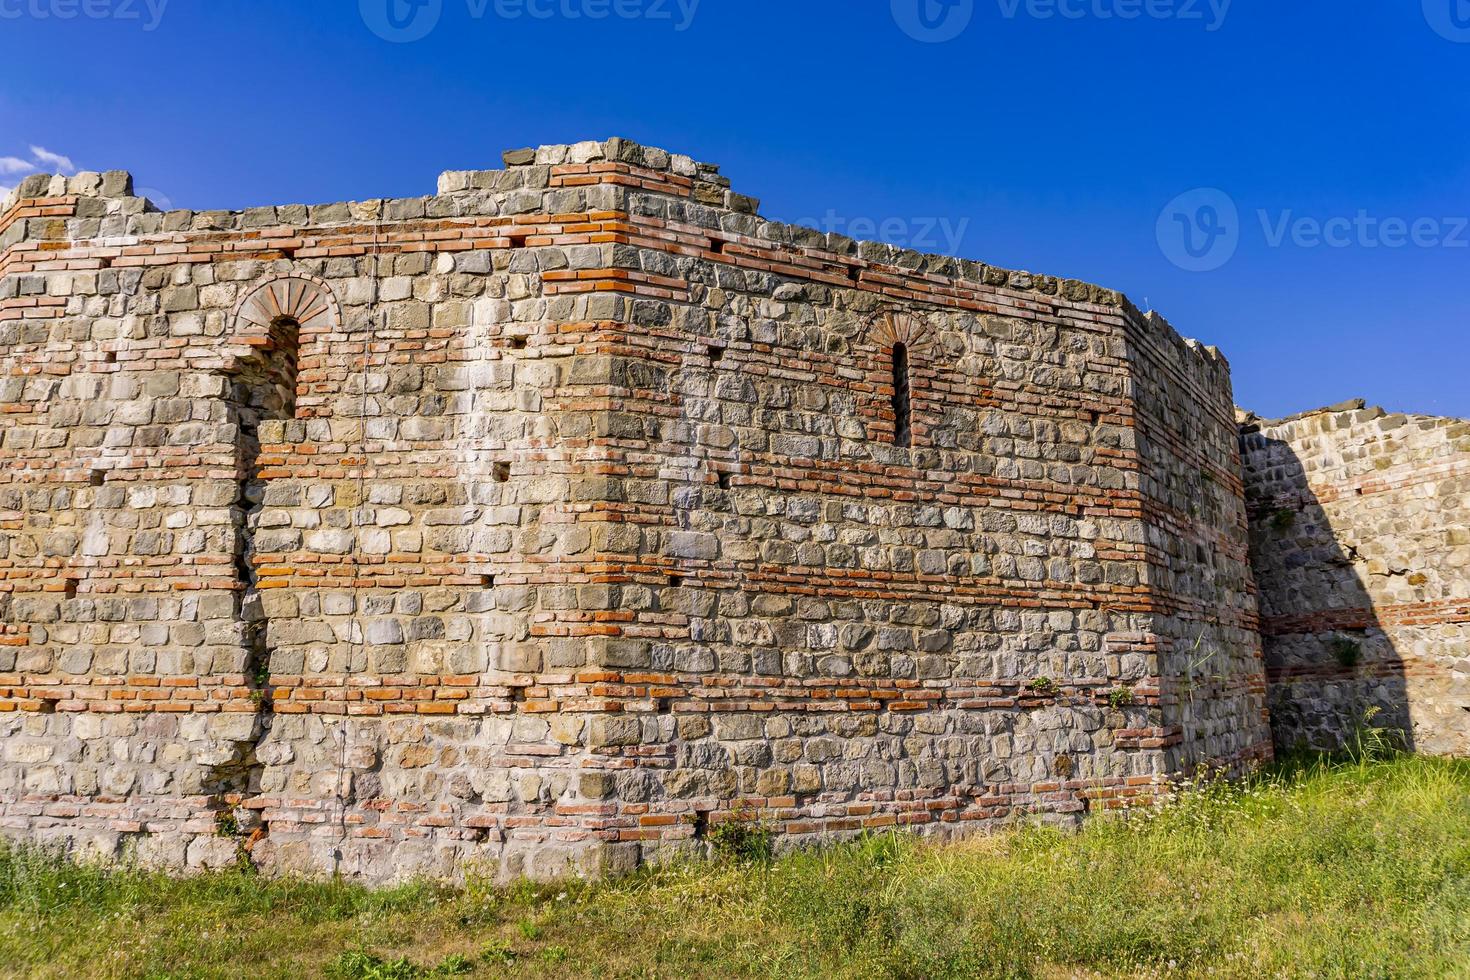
(297, 540)
(855, 632)
(1360, 541)
(1205, 624)
(545, 522)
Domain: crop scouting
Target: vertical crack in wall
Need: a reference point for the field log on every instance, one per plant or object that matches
(260, 388)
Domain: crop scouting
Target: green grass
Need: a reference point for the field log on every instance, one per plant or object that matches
(1352, 871)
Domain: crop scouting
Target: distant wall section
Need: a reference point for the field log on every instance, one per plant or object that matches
(1360, 543)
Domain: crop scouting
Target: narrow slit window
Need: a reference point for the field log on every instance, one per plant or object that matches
(903, 410)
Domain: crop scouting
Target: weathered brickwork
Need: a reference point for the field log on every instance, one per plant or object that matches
(1360, 539)
(542, 523)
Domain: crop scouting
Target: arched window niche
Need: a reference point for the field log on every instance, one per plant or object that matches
(903, 343)
(903, 405)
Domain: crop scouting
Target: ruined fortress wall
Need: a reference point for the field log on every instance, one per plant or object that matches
(847, 632)
(1362, 555)
(336, 627)
(1205, 624)
(424, 554)
(543, 523)
(123, 687)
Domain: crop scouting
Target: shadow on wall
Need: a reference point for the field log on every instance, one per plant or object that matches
(1332, 671)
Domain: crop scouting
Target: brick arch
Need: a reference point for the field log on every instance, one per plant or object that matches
(273, 323)
(269, 327)
(301, 298)
(886, 332)
(914, 333)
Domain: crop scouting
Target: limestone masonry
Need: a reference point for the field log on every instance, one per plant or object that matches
(1360, 539)
(542, 524)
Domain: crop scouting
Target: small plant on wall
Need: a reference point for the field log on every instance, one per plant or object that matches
(1284, 519)
(1043, 687)
(1347, 651)
(742, 839)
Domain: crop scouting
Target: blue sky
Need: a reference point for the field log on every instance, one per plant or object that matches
(1321, 146)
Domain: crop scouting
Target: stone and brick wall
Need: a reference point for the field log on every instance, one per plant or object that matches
(1205, 613)
(1360, 541)
(854, 633)
(544, 522)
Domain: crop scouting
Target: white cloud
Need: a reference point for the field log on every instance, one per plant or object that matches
(61, 163)
(42, 160)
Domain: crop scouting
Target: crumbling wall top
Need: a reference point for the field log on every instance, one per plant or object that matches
(1343, 415)
(614, 174)
(88, 183)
